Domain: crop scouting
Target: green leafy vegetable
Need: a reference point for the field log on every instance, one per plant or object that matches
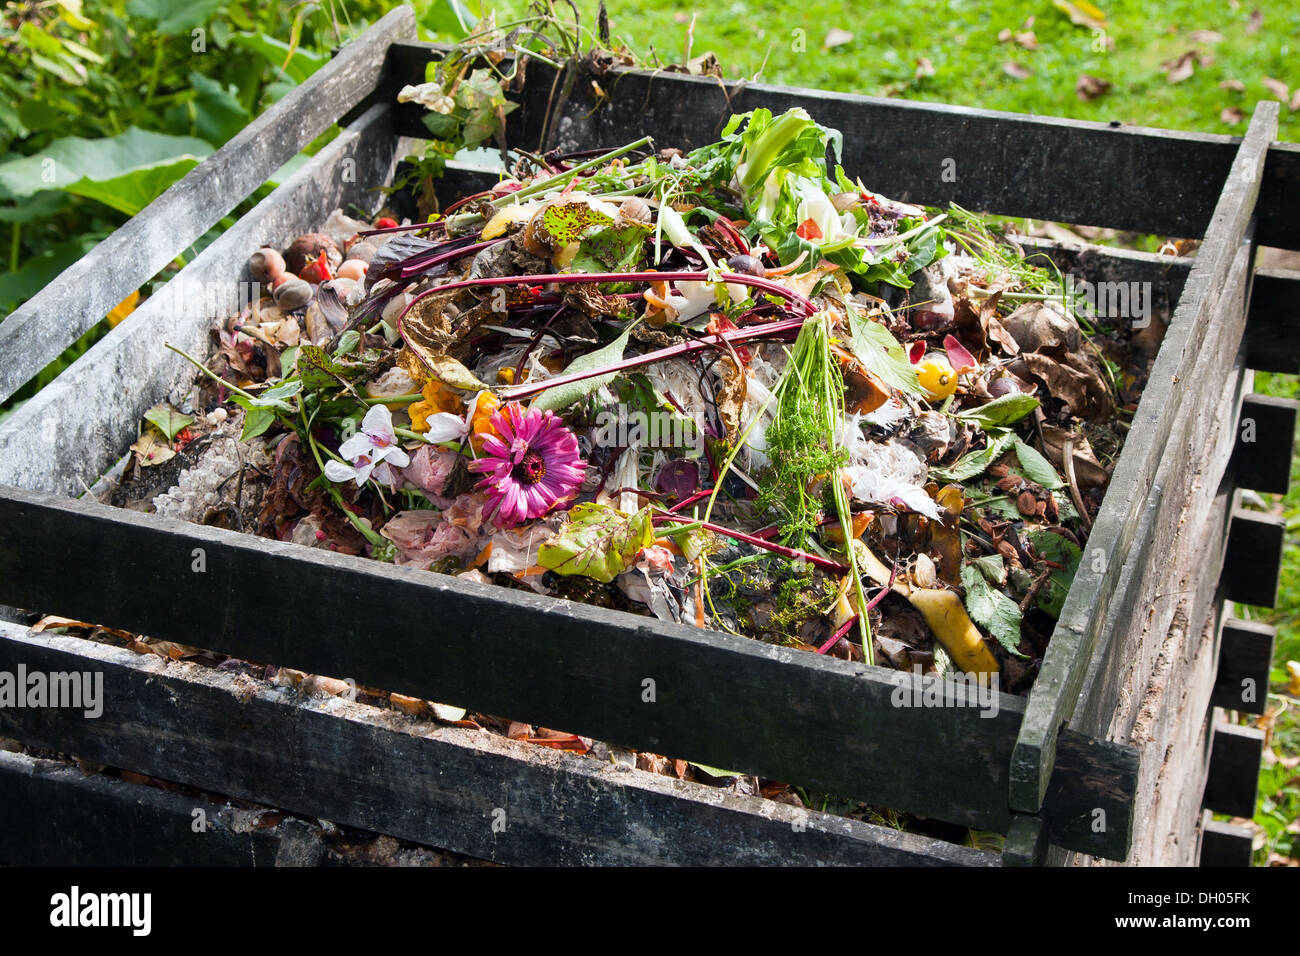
(168, 420)
(599, 542)
(1037, 468)
(1002, 411)
(562, 396)
(877, 349)
(988, 606)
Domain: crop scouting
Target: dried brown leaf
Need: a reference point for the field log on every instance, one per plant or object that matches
(1016, 71)
(1089, 87)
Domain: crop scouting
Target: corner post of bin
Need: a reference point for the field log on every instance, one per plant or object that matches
(1079, 632)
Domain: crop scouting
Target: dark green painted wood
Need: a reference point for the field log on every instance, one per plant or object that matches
(1245, 659)
(1265, 442)
(1273, 330)
(1232, 784)
(1252, 566)
(1226, 845)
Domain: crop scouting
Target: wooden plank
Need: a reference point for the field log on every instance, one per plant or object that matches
(1245, 659)
(1233, 783)
(1064, 668)
(464, 790)
(57, 815)
(1252, 567)
(1125, 177)
(785, 715)
(1026, 843)
(34, 334)
(1226, 845)
(1273, 329)
(1265, 443)
(60, 442)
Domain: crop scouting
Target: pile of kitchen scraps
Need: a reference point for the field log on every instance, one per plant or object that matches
(730, 388)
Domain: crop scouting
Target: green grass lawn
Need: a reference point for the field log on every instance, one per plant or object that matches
(782, 42)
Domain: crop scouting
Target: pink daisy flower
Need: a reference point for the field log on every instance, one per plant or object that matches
(529, 466)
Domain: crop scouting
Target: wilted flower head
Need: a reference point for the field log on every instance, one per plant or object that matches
(530, 465)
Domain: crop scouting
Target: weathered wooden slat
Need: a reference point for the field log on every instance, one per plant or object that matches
(1064, 668)
(1265, 442)
(35, 334)
(1273, 329)
(1226, 844)
(786, 715)
(463, 790)
(64, 437)
(1126, 177)
(1252, 567)
(1245, 658)
(1026, 843)
(56, 815)
(1232, 786)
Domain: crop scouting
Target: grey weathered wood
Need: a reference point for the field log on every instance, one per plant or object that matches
(414, 779)
(1226, 844)
(1233, 783)
(1273, 330)
(1077, 632)
(1252, 566)
(34, 334)
(65, 436)
(785, 715)
(1147, 180)
(1245, 659)
(1265, 442)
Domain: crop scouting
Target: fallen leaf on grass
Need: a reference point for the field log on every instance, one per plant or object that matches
(1027, 39)
(924, 68)
(1256, 21)
(1176, 71)
(1016, 71)
(1082, 14)
(1205, 36)
(1090, 87)
(837, 37)
(1236, 86)
(1279, 89)
(1232, 115)
(1295, 101)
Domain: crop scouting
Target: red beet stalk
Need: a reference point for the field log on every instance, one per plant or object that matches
(792, 553)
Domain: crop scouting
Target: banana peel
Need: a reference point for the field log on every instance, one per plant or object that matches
(944, 615)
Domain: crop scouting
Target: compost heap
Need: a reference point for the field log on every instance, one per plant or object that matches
(677, 384)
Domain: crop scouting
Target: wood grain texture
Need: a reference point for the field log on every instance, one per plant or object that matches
(34, 334)
(443, 786)
(780, 713)
(1170, 390)
(73, 429)
(1232, 786)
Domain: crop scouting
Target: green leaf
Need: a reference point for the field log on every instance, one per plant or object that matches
(132, 191)
(977, 462)
(599, 542)
(714, 771)
(168, 420)
(1002, 411)
(992, 568)
(877, 349)
(348, 342)
(562, 396)
(316, 370)
(174, 16)
(218, 115)
(1059, 550)
(302, 64)
(1037, 468)
(256, 421)
(989, 607)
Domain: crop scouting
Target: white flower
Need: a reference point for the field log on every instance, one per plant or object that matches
(373, 449)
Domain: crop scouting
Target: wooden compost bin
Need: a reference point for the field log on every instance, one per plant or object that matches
(1117, 754)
